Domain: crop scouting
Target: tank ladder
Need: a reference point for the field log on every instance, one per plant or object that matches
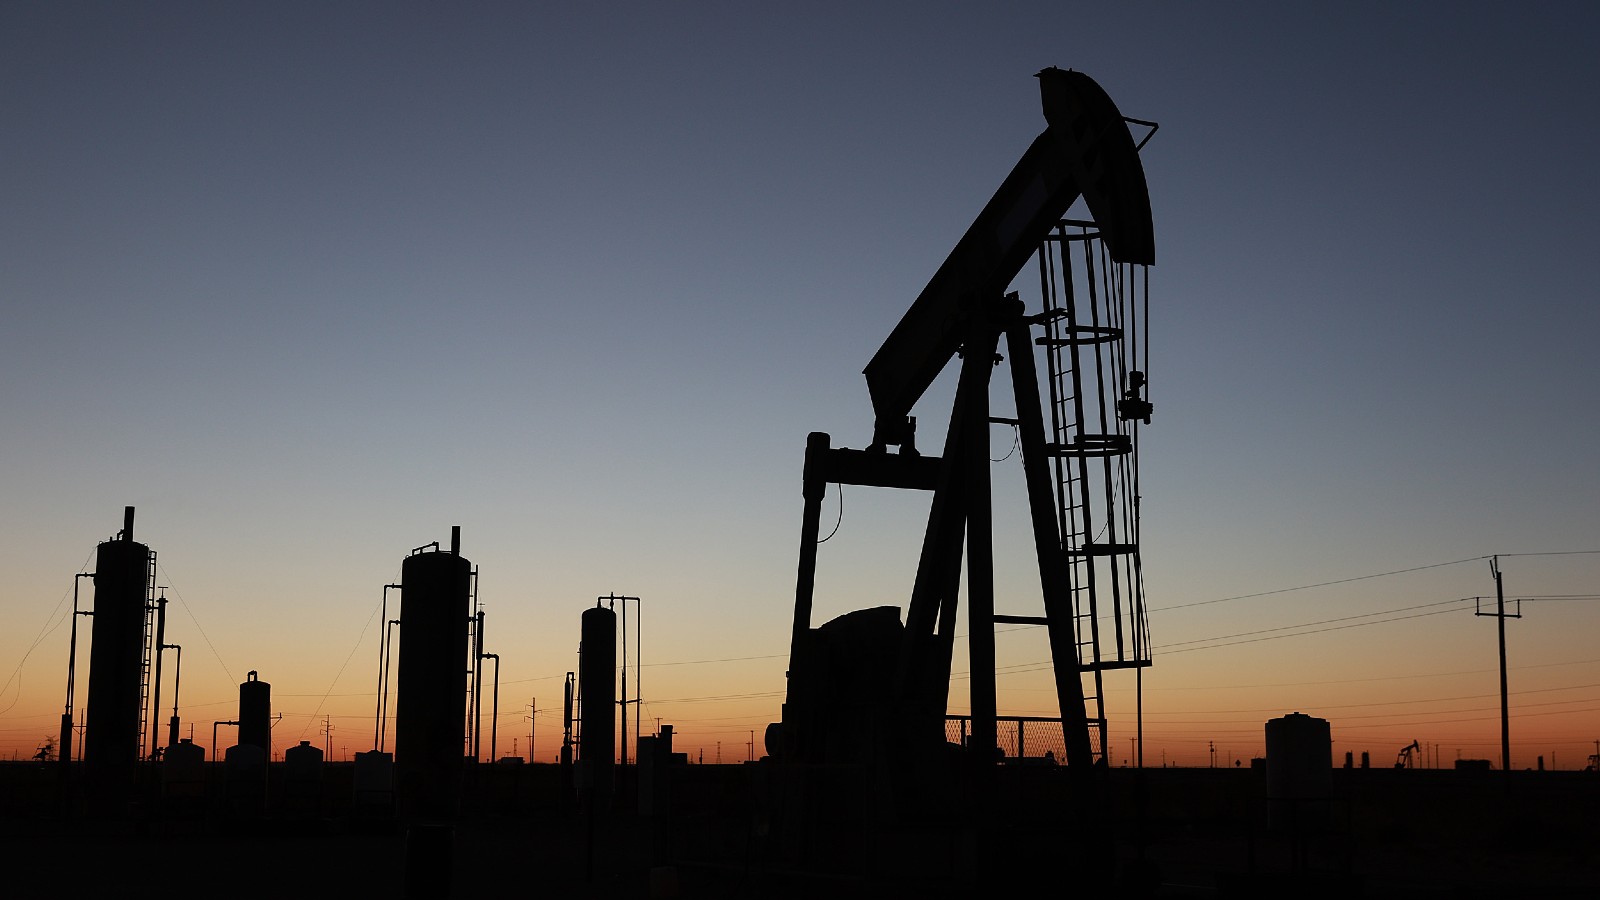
(1092, 328)
(146, 662)
(474, 658)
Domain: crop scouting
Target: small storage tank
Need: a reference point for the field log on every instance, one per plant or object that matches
(302, 776)
(597, 697)
(655, 773)
(183, 771)
(302, 763)
(255, 713)
(430, 709)
(374, 783)
(245, 770)
(116, 660)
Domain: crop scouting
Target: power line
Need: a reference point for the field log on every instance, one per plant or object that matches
(681, 662)
(1208, 643)
(1224, 687)
(171, 585)
(45, 631)
(1307, 587)
(753, 696)
(336, 677)
(1370, 705)
(1312, 631)
(1164, 647)
(526, 680)
(1021, 668)
(1410, 722)
(696, 662)
(725, 659)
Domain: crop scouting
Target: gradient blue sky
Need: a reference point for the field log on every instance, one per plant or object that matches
(310, 283)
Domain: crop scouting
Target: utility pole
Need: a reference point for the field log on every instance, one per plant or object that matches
(752, 756)
(1500, 616)
(327, 743)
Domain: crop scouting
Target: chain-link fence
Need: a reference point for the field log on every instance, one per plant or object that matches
(1028, 737)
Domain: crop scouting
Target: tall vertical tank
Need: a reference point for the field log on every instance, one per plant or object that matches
(1299, 758)
(1299, 772)
(430, 710)
(255, 713)
(116, 658)
(597, 694)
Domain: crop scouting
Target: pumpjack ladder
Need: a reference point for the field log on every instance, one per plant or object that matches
(1093, 325)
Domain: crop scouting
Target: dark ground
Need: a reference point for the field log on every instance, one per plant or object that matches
(752, 831)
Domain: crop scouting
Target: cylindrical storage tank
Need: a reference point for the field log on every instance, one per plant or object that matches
(1299, 770)
(303, 762)
(255, 713)
(116, 658)
(597, 698)
(374, 783)
(183, 771)
(430, 709)
(245, 768)
(1299, 758)
(302, 772)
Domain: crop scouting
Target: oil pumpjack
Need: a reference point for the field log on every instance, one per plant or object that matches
(863, 688)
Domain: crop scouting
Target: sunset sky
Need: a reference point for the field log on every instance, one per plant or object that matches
(308, 284)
